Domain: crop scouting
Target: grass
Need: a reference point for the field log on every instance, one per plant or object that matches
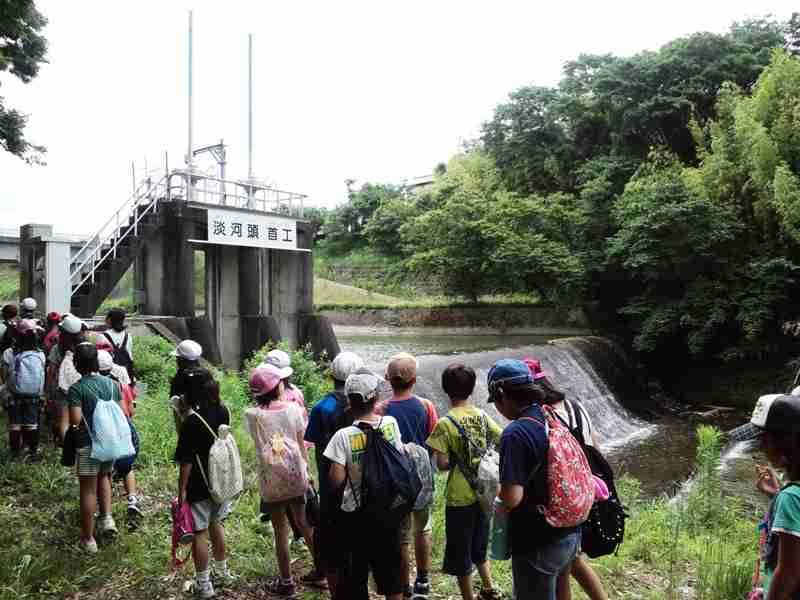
(330, 293)
(9, 283)
(706, 543)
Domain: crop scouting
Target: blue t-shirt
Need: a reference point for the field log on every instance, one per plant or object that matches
(523, 461)
(411, 417)
(325, 419)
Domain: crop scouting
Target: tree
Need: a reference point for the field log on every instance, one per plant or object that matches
(22, 50)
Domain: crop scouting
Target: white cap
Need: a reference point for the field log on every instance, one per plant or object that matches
(189, 350)
(71, 324)
(280, 360)
(29, 304)
(104, 360)
(344, 364)
(363, 382)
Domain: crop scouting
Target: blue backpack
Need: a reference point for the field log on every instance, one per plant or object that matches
(110, 432)
(28, 377)
(389, 481)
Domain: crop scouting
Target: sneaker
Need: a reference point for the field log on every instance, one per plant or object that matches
(89, 546)
(106, 527)
(223, 578)
(491, 594)
(421, 590)
(134, 512)
(279, 588)
(201, 589)
(315, 579)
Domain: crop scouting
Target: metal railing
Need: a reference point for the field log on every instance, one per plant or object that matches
(176, 185)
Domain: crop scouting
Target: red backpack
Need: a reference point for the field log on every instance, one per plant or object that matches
(570, 488)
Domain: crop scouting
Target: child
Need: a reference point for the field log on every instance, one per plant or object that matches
(277, 427)
(776, 422)
(121, 341)
(466, 525)
(204, 411)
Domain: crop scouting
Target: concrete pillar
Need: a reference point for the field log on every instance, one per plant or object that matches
(250, 298)
(292, 281)
(27, 255)
(168, 260)
(229, 322)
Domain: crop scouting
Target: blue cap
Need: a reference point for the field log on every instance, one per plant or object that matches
(507, 372)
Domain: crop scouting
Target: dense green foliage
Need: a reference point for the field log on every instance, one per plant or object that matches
(22, 50)
(661, 190)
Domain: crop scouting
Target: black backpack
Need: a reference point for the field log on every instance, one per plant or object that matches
(121, 356)
(389, 482)
(604, 530)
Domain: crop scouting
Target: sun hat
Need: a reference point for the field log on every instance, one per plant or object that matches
(264, 378)
(507, 372)
(104, 360)
(778, 413)
(29, 304)
(188, 350)
(280, 360)
(71, 324)
(344, 364)
(26, 325)
(535, 367)
(402, 367)
(363, 383)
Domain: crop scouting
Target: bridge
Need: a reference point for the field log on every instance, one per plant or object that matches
(10, 239)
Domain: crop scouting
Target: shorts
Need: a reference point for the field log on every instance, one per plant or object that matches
(467, 539)
(267, 506)
(207, 511)
(375, 551)
(332, 544)
(23, 411)
(535, 573)
(422, 524)
(89, 467)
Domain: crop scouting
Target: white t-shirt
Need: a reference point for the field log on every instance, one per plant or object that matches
(118, 336)
(67, 373)
(347, 447)
(567, 414)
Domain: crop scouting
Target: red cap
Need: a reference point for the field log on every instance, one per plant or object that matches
(535, 367)
(53, 317)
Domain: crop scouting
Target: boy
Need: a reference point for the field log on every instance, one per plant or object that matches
(416, 418)
(466, 525)
(539, 552)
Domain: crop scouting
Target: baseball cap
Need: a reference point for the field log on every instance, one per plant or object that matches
(53, 317)
(281, 360)
(29, 304)
(773, 412)
(364, 383)
(71, 324)
(402, 366)
(189, 350)
(344, 364)
(104, 360)
(264, 378)
(507, 372)
(26, 325)
(535, 367)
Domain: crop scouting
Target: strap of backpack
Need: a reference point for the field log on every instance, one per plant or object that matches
(467, 471)
(466, 437)
(204, 422)
(578, 412)
(125, 342)
(111, 340)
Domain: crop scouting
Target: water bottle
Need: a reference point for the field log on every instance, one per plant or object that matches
(500, 548)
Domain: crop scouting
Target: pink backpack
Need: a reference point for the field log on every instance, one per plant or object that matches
(570, 486)
(283, 471)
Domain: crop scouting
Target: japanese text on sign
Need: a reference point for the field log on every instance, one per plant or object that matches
(250, 229)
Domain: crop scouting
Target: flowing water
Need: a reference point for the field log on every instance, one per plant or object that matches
(659, 453)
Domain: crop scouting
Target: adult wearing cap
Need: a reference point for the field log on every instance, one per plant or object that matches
(62, 364)
(417, 419)
(329, 415)
(539, 552)
(187, 357)
(25, 365)
(375, 550)
(277, 427)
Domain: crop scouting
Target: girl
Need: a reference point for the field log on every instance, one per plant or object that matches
(121, 341)
(277, 429)
(204, 414)
(62, 366)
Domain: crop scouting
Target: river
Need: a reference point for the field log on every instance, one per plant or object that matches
(659, 452)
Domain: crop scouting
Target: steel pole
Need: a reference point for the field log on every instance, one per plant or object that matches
(190, 99)
(250, 121)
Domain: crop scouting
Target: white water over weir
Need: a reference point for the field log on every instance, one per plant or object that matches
(566, 365)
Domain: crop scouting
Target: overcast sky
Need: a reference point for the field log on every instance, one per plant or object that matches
(373, 91)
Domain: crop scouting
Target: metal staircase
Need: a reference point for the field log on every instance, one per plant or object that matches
(103, 260)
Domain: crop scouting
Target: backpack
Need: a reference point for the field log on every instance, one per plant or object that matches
(570, 487)
(224, 478)
(110, 432)
(486, 477)
(421, 461)
(604, 530)
(28, 376)
(389, 483)
(284, 472)
(120, 354)
(128, 396)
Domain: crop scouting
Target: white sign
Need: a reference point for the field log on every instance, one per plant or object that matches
(234, 228)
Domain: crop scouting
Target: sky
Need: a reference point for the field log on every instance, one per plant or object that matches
(371, 91)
